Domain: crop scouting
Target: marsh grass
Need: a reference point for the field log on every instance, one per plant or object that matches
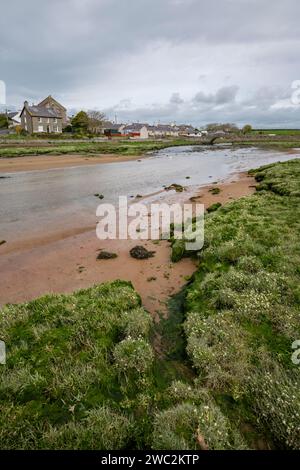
(242, 308)
(93, 148)
(90, 370)
(61, 387)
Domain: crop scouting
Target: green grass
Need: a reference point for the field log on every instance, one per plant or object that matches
(77, 367)
(91, 371)
(93, 148)
(243, 307)
(284, 132)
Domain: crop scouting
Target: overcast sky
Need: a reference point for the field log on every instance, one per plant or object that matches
(193, 61)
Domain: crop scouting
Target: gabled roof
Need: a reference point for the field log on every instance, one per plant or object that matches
(111, 126)
(134, 126)
(50, 98)
(12, 114)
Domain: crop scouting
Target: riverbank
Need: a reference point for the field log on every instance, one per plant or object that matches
(84, 371)
(67, 260)
(49, 162)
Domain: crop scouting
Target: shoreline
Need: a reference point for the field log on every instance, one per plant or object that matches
(67, 262)
(52, 162)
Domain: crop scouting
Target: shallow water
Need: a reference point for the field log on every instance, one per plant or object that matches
(32, 203)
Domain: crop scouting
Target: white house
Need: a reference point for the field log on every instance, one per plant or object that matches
(137, 130)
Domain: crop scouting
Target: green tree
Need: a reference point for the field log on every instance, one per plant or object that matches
(80, 122)
(96, 121)
(3, 121)
(247, 129)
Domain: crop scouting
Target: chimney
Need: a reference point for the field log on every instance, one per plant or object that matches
(25, 103)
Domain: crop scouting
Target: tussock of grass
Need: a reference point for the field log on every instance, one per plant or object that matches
(60, 387)
(243, 305)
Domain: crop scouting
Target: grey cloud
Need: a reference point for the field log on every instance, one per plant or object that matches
(224, 95)
(91, 52)
(176, 99)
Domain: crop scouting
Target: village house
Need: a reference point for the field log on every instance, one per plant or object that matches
(163, 130)
(186, 130)
(14, 119)
(41, 119)
(51, 103)
(139, 131)
(113, 130)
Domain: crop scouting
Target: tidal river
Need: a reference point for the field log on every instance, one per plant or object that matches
(37, 202)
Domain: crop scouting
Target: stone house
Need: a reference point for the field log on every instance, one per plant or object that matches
(39, 119)
(50, 102)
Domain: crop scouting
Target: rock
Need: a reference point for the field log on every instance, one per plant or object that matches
(178, 188)
(2, 242)
(100, 196)
(138, 196)
(139, 252)
(187, 177)
(215, 191)
(106, 255)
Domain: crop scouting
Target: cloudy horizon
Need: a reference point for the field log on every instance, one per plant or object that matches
(157, 61)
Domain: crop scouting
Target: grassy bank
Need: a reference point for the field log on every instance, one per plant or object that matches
(91, 371)
(242, 308)
(77, 370)
(110, 147)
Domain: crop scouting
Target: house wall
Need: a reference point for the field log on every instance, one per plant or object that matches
(50, 103)
(26, 121)
(46, 125)
(144, 134)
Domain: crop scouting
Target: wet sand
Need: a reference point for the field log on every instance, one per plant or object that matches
(68, 262)
(48, 162)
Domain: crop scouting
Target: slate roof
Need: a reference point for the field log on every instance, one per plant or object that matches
(12, 114)
(41, 111)
(134, 127)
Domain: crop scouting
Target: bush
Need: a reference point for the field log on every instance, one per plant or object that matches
(137, 322)
(190, 427)
(218, 348)
(133, 356)
(276, 396)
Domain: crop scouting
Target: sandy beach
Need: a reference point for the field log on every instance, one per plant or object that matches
(68, 261)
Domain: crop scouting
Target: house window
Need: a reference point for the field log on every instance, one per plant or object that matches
(48, 121)
(55, 120)
(55, 129)
(40, 128)
(40, 119)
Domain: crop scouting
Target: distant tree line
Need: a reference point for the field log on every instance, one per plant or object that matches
(228, 128)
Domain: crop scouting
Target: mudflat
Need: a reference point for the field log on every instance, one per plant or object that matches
(68, 261)
(48, 162)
